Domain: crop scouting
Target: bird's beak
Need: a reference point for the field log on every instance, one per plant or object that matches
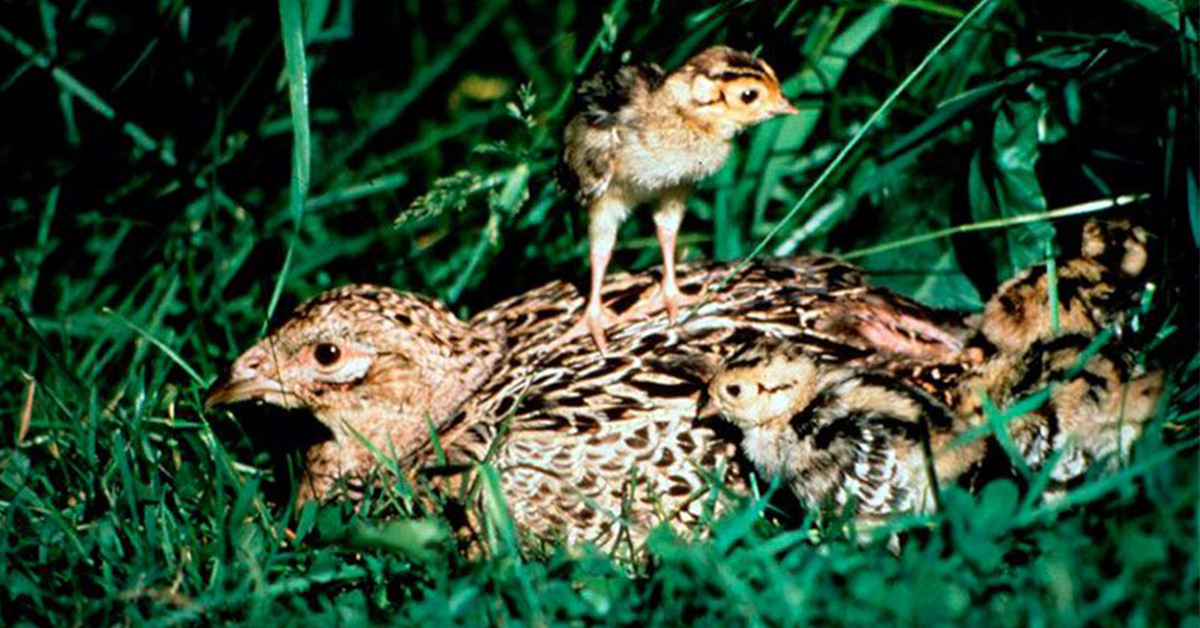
(784, 108)
(243, 382)
(708, 407)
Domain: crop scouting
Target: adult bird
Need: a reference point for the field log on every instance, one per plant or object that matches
(587, 447)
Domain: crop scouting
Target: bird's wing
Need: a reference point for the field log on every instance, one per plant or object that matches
(604, 99)
(583, 435)
(605, 102)
(588, 160)
(875, 458)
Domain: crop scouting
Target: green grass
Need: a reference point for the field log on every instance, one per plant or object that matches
(177, 172)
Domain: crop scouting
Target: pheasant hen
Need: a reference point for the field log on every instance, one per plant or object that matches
(587, 446)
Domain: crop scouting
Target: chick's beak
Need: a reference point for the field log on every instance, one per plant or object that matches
(707, 407)
(784, 107)
(244, 381)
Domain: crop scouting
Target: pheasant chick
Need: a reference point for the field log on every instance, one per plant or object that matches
(1095, 411)
(645, 135)
(1095, 289)
(839, 435)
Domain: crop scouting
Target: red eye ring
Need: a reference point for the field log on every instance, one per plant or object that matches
(327, 354)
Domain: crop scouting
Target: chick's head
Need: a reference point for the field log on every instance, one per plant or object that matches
(764, 385)
(731, 89)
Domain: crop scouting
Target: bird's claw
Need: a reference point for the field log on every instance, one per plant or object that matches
(593, 322)
(671, 304)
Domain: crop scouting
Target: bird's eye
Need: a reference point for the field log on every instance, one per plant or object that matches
(734, 390)
(749, 96)
(327, 354)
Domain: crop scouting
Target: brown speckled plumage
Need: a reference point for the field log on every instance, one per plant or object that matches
(593, 447)
(1094, 289)
(578, 424)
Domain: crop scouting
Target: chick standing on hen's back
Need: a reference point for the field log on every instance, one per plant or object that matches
(642, 135)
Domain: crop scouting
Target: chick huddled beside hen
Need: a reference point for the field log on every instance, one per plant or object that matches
(857, 436)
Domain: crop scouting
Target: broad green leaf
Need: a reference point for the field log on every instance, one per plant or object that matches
(1003, 183)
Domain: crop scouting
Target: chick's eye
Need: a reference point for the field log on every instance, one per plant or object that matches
(749, 96)
(327, 353)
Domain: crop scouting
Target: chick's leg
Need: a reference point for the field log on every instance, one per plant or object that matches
(666, 221)
(604, 221)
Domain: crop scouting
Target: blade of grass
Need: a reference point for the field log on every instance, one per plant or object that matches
(68, 83)
(1090, 207)
(820, 80)
(1092, 491)
(55, 359)
(866, 127)
(997, 421)
(430, 140)
(380, 457)
(616, 8)
(168, 351)
(737, 526)
(503, 531)
(297, 74)
(1052, 286)
(26, 408)
(29, 286)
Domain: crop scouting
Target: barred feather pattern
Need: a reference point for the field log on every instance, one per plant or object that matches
(588, 446)
(841, 433)
(596, 447)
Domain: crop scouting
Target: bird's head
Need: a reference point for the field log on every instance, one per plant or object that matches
(1118, 245)
(729, 89)
(767, 382)
(366, 357)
